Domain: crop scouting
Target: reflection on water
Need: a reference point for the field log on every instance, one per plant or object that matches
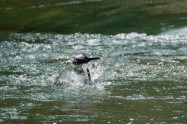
(139, 79)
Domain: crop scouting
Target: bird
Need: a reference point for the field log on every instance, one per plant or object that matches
(82, 59)
(78, 69)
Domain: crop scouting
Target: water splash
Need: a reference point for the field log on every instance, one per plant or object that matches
(134, 69)
(136, 55)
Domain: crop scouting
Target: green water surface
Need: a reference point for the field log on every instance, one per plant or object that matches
(99, 16)
(141, 77)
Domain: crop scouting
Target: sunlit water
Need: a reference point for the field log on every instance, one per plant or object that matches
(139, 79)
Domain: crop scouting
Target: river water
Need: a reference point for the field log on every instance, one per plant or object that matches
(141, 76)
(139, 79)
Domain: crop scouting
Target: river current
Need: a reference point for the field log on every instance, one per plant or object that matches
(139, 79)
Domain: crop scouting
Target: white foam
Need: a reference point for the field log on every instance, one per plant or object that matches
(178, 31)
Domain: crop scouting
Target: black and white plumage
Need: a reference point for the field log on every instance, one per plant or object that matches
(81, 59)
(78, 69)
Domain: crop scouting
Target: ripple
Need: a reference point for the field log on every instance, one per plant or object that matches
(134, 70)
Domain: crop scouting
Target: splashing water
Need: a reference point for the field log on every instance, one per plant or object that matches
(134, 70)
